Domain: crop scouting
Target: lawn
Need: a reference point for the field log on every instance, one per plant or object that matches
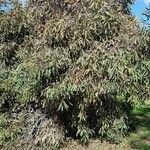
(140, 140)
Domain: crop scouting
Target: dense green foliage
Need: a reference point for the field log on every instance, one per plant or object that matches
(84, 62)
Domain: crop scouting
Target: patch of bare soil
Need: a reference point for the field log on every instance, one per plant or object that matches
(93, 145)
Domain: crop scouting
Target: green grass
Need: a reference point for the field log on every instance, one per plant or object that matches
(144, 147)
(140, 138)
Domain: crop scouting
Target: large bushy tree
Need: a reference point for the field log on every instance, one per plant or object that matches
(85, 63)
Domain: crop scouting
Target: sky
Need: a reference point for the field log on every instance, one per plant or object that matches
(139, 7)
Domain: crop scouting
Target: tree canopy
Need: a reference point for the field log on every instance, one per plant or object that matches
(82, 63)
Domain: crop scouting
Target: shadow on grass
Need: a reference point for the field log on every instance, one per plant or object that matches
(141, 139)
(144, 147)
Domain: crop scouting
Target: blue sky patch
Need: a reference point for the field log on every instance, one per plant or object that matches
(139, 7)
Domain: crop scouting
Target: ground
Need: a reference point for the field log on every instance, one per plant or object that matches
(137, 140)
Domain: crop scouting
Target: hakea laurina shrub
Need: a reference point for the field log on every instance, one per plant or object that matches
(85, 62)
